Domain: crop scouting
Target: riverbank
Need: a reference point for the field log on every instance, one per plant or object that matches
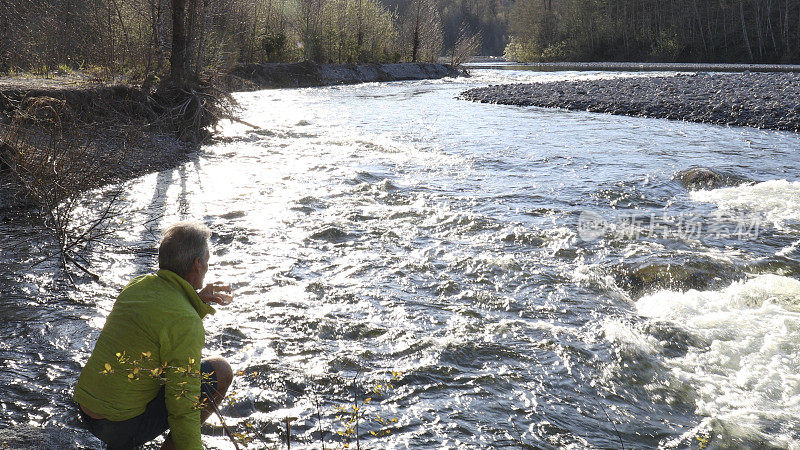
(92, 134)
(761, 100)
(250, 77)
(117, 124)
(614, 66)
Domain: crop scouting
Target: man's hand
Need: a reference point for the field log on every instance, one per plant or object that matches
(219, 293)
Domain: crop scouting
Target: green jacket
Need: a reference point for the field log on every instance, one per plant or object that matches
(156, 322)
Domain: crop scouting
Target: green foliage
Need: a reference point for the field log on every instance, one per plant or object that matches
(703, 439)
(521, 50)
(273, 44)
(350, 417)
(556, 51)
(340, 422)
(666, 47)
(347, 31)
(144, 366)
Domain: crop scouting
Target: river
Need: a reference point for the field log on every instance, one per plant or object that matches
(506, 276)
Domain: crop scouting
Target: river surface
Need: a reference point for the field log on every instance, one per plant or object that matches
(490, 276)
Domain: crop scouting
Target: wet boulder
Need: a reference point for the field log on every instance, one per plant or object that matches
(29, 436)
(642, 279)
(700, 178)
(675, 341)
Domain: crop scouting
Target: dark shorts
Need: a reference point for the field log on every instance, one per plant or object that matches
(145, 427)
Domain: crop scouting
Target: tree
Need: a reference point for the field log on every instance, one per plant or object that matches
(467, 44)
(177, 59)
(422, 31)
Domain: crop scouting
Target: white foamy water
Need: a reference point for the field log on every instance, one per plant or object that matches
(744, 374)
(777, 200)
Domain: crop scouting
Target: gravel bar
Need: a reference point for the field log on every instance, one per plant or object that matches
(758, 99)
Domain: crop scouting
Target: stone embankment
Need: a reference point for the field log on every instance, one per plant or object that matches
(762, 100)
(248, 77)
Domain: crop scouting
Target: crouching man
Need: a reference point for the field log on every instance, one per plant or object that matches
(145, 374)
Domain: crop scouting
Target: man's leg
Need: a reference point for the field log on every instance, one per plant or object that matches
(214, 391)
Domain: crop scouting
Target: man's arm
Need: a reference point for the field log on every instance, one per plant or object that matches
(181, 345)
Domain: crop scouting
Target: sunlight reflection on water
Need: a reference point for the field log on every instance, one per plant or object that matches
(386, 227)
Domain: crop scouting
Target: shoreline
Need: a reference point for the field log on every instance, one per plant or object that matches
(765, 100)
(614, 66)
(114, 118)
(251, 77)
(108, 123)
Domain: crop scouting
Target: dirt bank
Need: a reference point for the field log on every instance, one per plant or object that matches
(110, 128)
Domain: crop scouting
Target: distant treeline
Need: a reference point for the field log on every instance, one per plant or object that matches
(135, 37)
(758, 31)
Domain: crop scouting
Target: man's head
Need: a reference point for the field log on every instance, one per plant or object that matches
(184, 250)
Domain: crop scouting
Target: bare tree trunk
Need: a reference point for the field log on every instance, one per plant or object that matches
(725, 33)
(359, 33)
(190, 31)
(201, 41)
(787, 46)
(177, 59)
(700, 28)
(126, 47)
(415, 40)
(771, 29)
(744, 30)
(759, 40)
(110, 25)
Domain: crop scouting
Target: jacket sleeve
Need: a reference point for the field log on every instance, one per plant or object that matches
(181, 345)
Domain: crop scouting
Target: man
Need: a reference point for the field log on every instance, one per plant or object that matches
(145, 372)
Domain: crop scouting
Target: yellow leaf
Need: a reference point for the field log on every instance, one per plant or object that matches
(146, 354)
(368, 399)
(108, 367)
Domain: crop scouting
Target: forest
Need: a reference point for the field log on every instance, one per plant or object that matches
(744, 31)
(134, 38)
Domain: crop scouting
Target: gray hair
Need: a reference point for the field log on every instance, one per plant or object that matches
(182, 243)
